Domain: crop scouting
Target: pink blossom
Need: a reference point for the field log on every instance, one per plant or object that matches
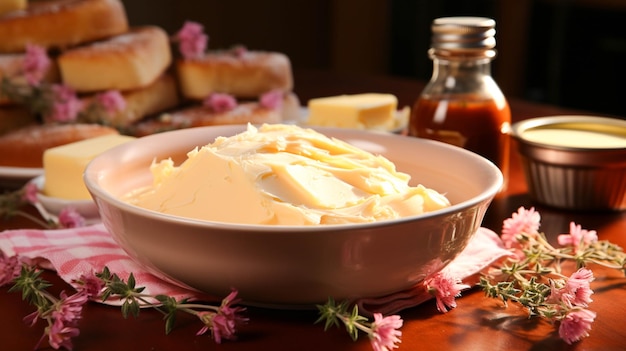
(385, 334)
(576, 325)
(272, 99)
(9, 269)
(577, 237)
(239, 51)
(112, 101)
(207, 319)
(576, 291)
(70, 218)
(31, 318)
(30, 193)
(35, 64)
(223, 328)
(445, 289)
(69, 308)
(66, 105)
(192, 42)
(90, 285)
(223, 324)
(220, 102)
(60, 335)
(523, 221)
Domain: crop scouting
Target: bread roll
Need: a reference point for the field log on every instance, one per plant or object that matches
(61, 23)
(14, 117)
(12, 5)
(24, 147)
(128, 61)
(245, 75)
(198, 116)
(140, 103)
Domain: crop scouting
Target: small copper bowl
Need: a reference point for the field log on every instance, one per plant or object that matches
(574, 162)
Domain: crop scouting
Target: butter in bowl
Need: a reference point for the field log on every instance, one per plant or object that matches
(574, 162)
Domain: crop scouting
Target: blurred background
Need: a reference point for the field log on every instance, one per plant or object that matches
(569, 53)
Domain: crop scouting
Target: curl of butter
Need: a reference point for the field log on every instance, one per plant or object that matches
(284, 175)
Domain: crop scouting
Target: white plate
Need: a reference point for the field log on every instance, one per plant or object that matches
(86, 208)
(16, 177)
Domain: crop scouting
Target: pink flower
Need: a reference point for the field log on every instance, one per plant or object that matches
(223, 324)
(30, 193)
(577, 287)
(90, 285)
(445, 289)
(31, 318)
(577, 237)
(65, 106)
(239, 51)
(60, 335)
(9, 269)
(219, 102)
(35, 64)
(385, 334)
(272, 99)
(524, 221)
(112, 101)
(69, 308)
(192, 42)
(576, 325)
(576, 291)
(70, 218)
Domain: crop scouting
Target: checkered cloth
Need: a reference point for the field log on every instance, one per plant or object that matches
(81, 251)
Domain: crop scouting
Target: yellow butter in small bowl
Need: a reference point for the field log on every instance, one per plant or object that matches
(574, 162)
(373, 111)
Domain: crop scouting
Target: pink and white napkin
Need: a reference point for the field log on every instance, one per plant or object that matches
(82, 251)
(75, 252)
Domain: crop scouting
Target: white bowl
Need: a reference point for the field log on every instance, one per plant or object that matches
(296, 265)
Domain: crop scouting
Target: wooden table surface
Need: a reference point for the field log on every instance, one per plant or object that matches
(477, 323)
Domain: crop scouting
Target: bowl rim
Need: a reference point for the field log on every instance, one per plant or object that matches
(486, 195)
(518, 129)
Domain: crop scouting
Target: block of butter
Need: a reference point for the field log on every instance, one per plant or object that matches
(360, 111)
(64, 165)
(12, 5)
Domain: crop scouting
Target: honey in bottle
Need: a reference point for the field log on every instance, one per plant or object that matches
(462, 105)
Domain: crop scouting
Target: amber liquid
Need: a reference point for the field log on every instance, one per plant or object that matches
(478, 125)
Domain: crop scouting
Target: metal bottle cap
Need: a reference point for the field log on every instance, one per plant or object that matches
(465, 33)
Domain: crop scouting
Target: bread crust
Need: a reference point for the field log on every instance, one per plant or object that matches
(140, 103)
(199, 116)
(246, 75)
(14, 117)
(128, 61)
(24, 147)
(61, 23)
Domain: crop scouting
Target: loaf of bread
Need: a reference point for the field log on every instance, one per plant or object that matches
(128, 61)
(13, 117)
(12, 5)
(244, 74)
(24, 147)
(61, 23)
(140, 103)
(199, 116)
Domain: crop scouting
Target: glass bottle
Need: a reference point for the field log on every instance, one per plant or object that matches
(462, 104)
